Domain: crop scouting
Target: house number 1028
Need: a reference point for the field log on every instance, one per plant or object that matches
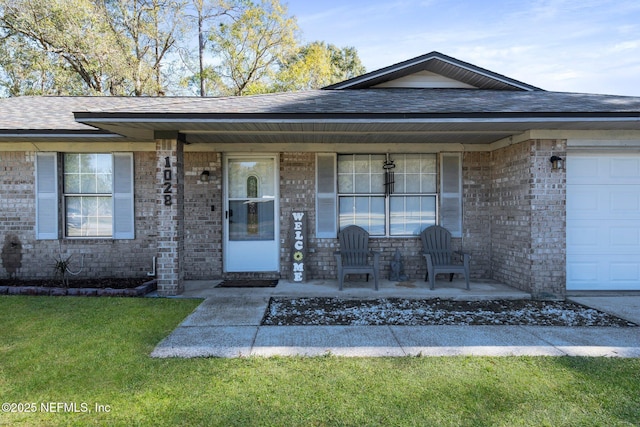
(167, 182)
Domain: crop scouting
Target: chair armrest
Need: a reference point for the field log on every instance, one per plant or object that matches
(429, 259)
(466, 256)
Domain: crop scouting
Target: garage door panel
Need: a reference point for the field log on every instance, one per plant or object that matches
(583, 203)
(584, 237)
(625, 201)
(603, 202)
(624, 236)
(591, 272)
(620, 238)
(623, 272)
(621, 169)
(582, 272)
(603, 221)
(603, 169)
(582, 170)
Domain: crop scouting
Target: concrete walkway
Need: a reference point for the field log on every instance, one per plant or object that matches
(227, 324)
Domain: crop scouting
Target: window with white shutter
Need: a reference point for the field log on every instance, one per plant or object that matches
(123, 209)
(355, 189)
(326, 212)
(451, 193)
(46, 196)
(96, 195)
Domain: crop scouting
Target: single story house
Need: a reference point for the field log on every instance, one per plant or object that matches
(259, 186)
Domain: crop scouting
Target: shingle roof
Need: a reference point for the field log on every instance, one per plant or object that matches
(384, 101)
(56, 114)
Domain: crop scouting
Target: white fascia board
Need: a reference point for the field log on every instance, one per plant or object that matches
(381, 121)
(430, 58)
(58, 135)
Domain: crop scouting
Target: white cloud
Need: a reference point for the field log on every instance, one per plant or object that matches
(628, 45)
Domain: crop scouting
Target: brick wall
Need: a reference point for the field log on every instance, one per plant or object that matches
(17, 210)
(170, 216)
(528, 218)
(514, 220)
(511, 215)
(100, 257)
(477, 218)
(297, 193)
(203, 226)
(548, 221)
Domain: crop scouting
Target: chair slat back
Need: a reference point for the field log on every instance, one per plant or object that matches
(354, 245)
(436, 240)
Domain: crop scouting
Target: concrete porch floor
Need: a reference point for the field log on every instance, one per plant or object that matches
(481, 289)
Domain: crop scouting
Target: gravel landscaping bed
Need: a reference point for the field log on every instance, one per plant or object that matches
(412, 312)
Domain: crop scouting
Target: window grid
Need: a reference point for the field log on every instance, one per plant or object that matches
(411, 208)
(88, 195)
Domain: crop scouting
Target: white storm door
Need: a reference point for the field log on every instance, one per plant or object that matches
(251, 214)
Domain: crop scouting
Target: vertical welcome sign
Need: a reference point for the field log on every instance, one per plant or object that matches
(298, 240)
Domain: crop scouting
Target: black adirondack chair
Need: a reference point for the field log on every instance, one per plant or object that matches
(436, 245)
(354, 256)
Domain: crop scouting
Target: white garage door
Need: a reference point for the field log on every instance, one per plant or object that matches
(603, 221)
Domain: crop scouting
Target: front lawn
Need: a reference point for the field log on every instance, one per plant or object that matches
(85, 361)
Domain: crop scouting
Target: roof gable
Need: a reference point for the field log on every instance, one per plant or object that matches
(424, 80)
(433, 70)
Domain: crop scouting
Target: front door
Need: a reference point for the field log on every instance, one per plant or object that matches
(251, 206)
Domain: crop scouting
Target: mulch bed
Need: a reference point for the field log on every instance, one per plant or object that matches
(414, 312)
(122, 287)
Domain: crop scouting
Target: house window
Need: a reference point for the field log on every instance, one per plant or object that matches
(405, 211)
(88, 186)
(96, 198)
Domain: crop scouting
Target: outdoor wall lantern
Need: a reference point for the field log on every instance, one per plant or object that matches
(204, 176)
(557, 163)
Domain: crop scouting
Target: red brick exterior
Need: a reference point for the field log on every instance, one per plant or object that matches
(513, 220)
(528, 249)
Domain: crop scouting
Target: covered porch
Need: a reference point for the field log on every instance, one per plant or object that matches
(480, 289)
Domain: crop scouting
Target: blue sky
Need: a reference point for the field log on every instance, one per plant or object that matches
(590, 46)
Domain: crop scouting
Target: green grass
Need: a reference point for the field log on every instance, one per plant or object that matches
(95, 351)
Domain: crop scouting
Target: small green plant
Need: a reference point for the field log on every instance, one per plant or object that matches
(61, 268)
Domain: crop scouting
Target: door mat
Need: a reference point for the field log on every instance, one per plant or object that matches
(243, 283)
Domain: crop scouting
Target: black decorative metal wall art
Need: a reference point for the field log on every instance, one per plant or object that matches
(389, 179)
